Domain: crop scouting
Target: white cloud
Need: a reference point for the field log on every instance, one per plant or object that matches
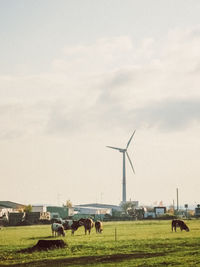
(104, 55)
(109, 82)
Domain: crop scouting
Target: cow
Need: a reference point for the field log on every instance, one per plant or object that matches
(180, 224)
(67, 224)
(57, 229)
(87, 223)
(98, 227)
(75, 225)
(72, 225)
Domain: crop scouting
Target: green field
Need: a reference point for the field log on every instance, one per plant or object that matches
(138, 243)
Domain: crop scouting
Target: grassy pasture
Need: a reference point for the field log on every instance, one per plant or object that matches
(138, 243)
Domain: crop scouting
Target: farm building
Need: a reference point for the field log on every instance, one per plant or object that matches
(11, 205)
(102, 206)
(92, 210)
(60, 212)
(8, 207)
(89, 211)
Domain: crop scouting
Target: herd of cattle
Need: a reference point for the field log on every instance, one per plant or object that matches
(59, 227)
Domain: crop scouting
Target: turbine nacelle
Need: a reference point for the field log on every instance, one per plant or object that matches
(122, 150)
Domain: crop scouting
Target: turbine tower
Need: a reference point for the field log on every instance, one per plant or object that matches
(125, 153)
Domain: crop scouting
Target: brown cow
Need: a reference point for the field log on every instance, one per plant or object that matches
(87, 223)
(99, 227)
(180, 224)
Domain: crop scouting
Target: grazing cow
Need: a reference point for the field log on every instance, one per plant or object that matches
(67, 224)
(72, 225)
(57, 229)
(180, 224)
(87, 223)
(99, 227)
(75, 225)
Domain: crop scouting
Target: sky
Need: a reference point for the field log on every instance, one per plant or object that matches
(77, 76)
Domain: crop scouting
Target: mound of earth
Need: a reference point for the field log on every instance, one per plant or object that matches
(46, 244)
(50, 244)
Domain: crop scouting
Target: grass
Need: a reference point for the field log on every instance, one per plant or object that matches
(138, 243)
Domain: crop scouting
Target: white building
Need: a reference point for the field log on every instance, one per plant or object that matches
(93, 210)
(39, 208)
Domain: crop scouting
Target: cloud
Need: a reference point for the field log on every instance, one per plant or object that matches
(170, 114)
(101, 56)
(111, 82)
(166, 115)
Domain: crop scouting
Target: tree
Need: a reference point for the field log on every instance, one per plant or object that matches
(128, 207)
(68, 204)
(28, 208)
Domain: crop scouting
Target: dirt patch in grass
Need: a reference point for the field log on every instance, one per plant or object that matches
(80, 261)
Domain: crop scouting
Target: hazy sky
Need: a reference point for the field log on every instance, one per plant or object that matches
(76, 76)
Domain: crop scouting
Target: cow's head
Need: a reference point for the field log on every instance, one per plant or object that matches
(66, 225)
(186, 228)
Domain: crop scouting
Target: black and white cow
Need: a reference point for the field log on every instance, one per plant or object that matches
(57, 229)
(72, 225)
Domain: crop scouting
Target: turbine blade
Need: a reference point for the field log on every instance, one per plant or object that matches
(130, 139)
(117, 148)
(130, 161)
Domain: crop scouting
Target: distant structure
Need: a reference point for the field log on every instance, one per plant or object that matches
(124, 153)
(98, 211)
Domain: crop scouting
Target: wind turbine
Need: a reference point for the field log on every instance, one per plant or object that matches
(125, 153)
